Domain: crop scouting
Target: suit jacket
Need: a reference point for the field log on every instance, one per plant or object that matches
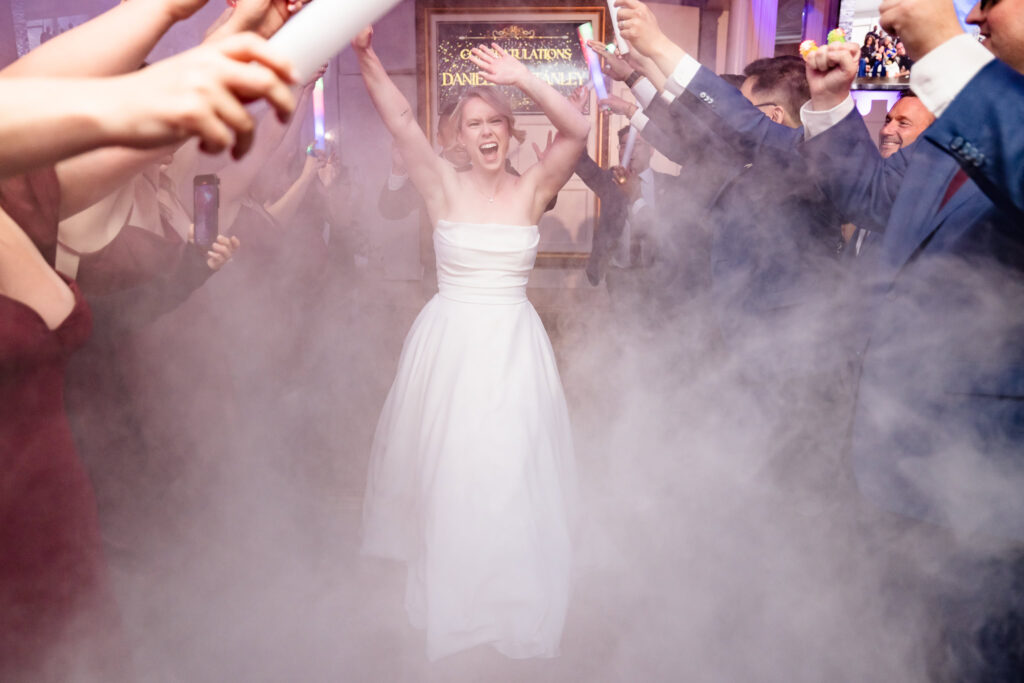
(612, 218)
(774, 257)
(615, 210)
(939, 426)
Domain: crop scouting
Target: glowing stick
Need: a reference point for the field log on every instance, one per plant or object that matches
(323, 29)
(627, 154)
(619, 41)
(318, 113)
(586, 32)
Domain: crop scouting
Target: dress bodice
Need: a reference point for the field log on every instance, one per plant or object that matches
(484, 263)
(32, 362)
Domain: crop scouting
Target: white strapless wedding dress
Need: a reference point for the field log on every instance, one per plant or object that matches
(471, 475)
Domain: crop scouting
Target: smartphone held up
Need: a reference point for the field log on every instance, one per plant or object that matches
(206, 198)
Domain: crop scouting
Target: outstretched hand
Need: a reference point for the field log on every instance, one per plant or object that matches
(831, 70)
(498, 66)
(643, 64)
(612, 64)
(262, 17)
(202, 92)
(617, 105)
(221, 251)
(541, 153)
(639, 26)
(922, 25)
(579, 99)
(363, 40)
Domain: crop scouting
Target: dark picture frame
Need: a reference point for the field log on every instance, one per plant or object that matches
(544, 38)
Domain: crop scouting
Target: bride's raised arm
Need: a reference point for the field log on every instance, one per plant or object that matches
(424, 166)
(550, 173)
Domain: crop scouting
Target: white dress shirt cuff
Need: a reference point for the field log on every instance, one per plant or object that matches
(817, 122)
(639, 120)
(940, 75)
(644, 92)
(684, 72)
(396, 182)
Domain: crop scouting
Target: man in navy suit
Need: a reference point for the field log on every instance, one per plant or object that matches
(775, 269)
(774, 236)
(944, 368)
(939, 427)
(907, 119)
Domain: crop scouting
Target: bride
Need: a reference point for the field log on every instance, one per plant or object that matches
(471, 473)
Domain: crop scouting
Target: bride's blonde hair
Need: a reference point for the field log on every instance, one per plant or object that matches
(496, 99)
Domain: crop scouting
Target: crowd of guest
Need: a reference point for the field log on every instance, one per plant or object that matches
(865, 293)
(882, 56)
(113, 348)
(850, 280)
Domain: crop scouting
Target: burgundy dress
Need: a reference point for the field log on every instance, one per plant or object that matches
(57, 617)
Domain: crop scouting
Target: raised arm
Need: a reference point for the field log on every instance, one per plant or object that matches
(640, 27)
(842, 155)
(268, 148)
(976, 93)
(698, 90)
(551, 172)
(90, 177)
(115, 42)
(197, 93)
(425, 168)
(284, 208)
(628, 68)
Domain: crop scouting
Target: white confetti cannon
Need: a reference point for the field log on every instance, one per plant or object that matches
(323, 29)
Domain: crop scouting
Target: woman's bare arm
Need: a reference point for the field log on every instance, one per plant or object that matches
(115, 42)
(197, 93)
(426, 169)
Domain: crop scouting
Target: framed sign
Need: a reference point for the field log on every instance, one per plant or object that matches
(545, 39)
(551, 50)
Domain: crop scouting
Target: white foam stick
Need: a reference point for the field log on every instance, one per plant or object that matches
(324, 28)
(620, 43)
(627, 154)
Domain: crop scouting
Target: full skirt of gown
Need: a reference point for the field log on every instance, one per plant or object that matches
(471, 477)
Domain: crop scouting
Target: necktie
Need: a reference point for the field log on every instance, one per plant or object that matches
(955, 184)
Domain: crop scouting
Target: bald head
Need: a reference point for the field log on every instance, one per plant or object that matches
(905, 121)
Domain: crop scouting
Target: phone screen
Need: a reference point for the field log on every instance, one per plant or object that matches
(206, 197)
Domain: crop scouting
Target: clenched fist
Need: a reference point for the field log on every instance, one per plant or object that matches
(922, 25)
(831, 70)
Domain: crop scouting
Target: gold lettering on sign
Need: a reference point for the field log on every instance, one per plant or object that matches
(449, 79)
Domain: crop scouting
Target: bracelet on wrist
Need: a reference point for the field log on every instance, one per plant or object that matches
(632, 78)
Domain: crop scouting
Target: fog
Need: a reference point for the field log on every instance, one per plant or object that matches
(714, 541)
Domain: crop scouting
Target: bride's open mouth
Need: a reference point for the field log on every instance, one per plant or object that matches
(489, 151)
